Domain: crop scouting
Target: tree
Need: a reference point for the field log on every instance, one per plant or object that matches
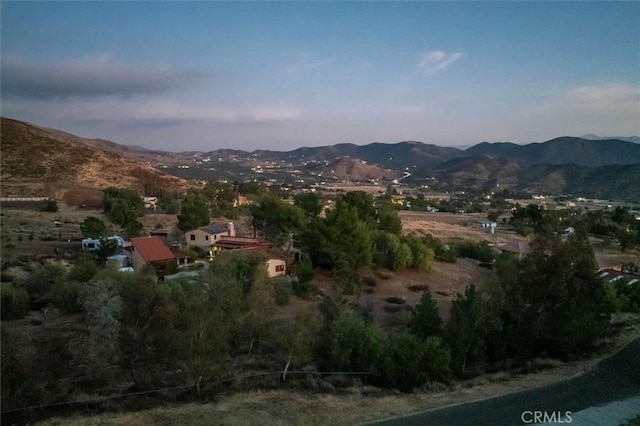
(388, 219)
(362, 203)
(108, 247)
(299, 340)
(425, 319)
(276, 218)
(472, 318)
(92, 227)
(103, 307)
(309, 202)
(353, 346)
(194, 211)
(168, 204)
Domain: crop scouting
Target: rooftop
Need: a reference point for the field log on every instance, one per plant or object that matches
(152, 249)
(216, 228)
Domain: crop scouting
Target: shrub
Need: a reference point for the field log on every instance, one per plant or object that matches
(282, 291)
(15, 302)
(50, 206)
(65, 296)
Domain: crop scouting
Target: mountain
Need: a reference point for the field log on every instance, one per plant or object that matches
(564, 150)
(348, 168)
(487, 173)
(634, 139)
(40, 162)
(402, 155)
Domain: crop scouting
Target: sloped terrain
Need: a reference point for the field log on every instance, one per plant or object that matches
(39, 162)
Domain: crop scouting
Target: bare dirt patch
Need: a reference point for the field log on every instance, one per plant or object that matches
(449, 227)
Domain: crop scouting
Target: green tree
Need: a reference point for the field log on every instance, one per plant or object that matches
(299, 340)
(388, 219)
(108, 247)
(425, 319)
(194, 212)
(473, 316)
(276, 218)
(309, 202)
(92, 227)
(169, 204)
(353, 346)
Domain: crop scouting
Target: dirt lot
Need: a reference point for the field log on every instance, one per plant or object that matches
(450, 227)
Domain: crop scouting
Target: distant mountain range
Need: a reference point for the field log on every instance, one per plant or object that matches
(601, 168)
(634, 139)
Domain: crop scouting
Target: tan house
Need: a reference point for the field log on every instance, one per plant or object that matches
(206, 236)
(276, 267)
(276, 264)
(152, 251)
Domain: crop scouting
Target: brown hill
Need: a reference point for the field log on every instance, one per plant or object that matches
(358, 170)
(42, 162)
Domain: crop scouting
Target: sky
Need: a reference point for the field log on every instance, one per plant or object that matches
(205, 75)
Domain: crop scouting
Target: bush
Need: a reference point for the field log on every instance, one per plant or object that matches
(479, 251)
(65, 297)
(50, 206)
(15, 302)
(282, 291)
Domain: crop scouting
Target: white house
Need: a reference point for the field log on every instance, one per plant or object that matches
(206, 236)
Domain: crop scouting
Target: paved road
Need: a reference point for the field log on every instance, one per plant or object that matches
(613, 379)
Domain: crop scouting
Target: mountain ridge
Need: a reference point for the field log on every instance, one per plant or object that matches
(564, 164)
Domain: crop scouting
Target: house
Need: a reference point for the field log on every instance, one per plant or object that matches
(276, 267)
(276, 264)
(518, 247)
(206, 236)
(152, 251)
(237, 243)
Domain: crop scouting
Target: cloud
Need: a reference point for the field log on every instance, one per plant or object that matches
(88, 78)
(436, 60)
(147, 111)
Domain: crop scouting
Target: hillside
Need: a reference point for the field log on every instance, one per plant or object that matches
(40, 162)
(490, 173)
(358, 170)
(564, 150)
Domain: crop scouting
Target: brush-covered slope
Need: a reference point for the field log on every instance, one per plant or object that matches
(38, 161)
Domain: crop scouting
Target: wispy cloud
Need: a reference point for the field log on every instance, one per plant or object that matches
(98, 76)
(436, 60)
(144, 110)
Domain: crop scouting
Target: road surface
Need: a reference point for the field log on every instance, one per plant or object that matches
(614, 379)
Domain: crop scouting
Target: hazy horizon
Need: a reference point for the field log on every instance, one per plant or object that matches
(181, 76)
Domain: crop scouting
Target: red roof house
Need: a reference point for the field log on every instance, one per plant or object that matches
(154, 252)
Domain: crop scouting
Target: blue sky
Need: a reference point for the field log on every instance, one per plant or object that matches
(270, 75)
